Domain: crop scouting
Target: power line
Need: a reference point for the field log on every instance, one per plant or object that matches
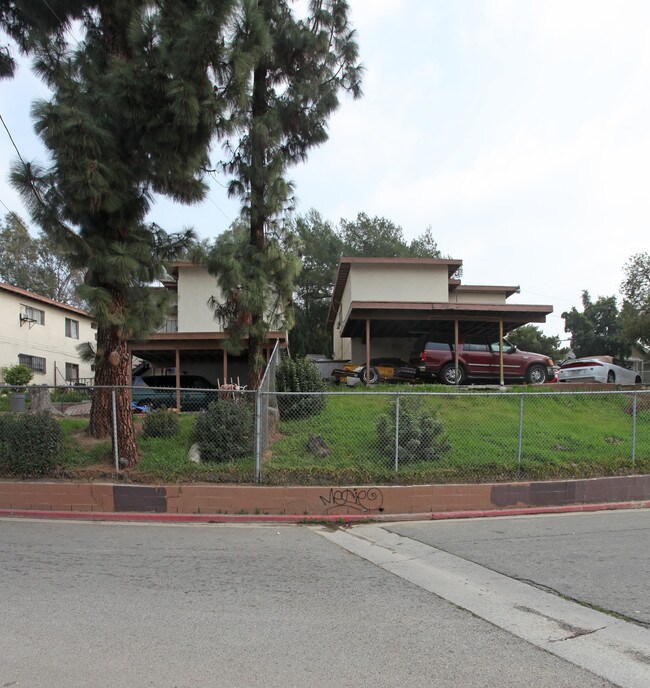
(67, 28)
(11, 138)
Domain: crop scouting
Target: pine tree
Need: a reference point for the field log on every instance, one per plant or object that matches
(133, 110)
(299, 66)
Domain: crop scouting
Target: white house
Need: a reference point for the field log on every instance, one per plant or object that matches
(43, 334)
(192, 341)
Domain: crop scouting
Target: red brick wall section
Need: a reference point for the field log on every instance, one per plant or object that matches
(56, 496)
(253, 499)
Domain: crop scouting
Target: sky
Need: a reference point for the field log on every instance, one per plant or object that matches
(517, 129)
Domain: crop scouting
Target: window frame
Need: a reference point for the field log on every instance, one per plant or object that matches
(30, 361)
(70, 331)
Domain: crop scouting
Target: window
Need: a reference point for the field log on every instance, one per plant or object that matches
(474, 344)
(36, 363)
(32, 315)
(72, 328)
(71, 372)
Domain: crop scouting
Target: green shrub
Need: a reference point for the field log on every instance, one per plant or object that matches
(17, 375)
(225, 430)
(31, 444)
(421, 432)
(299, 375)
(161, 423)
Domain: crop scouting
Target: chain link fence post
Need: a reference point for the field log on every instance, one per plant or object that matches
(397, 433)
(258, 436)
(634, 428)
(116, 451)
(521, 431)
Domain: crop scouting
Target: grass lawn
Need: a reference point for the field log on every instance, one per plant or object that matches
(563, 435)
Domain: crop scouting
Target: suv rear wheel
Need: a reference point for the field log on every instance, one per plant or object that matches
(448, 374)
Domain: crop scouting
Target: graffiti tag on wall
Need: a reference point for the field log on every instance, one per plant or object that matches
(370, 499)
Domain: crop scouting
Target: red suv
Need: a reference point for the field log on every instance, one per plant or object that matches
(478, 358)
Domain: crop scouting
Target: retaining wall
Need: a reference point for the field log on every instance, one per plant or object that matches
(253, 499)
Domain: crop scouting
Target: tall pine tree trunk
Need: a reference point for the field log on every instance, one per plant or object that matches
(259, 189)
(114, 373)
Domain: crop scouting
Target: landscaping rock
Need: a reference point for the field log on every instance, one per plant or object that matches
(194, 454)
(80, 409)
(317, 445)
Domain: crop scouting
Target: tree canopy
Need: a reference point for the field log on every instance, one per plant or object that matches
(36, 264)
(597, 330)
(635, 313)
(298, 68)
(531, 338)
(135, 104)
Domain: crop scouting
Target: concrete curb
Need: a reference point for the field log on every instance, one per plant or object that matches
(304, 519)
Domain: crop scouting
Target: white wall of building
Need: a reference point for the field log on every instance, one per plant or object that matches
(386, 282)
(46, 341)
(195, 287)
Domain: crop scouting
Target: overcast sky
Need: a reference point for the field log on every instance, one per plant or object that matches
(519, 130)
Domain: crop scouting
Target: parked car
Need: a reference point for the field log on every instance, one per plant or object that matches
(598, 369)
(380, 369)
(478, 359)
(158, 391)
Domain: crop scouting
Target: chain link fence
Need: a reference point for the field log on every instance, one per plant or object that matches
(356, 436)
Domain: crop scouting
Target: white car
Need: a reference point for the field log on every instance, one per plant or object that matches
(597, 369)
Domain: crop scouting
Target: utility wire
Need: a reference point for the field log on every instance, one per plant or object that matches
(67, 28)
(11, 138)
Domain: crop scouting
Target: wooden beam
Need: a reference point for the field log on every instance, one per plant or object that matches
(501, 379)
(456, 349)
(367, 351)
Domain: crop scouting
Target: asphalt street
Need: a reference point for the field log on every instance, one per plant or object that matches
(601, 559)
(88, 604)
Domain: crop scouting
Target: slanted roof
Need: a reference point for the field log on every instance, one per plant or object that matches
(42, 299)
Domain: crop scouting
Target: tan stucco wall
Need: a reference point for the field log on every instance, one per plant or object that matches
(46, 341)
(195, 287)
(398, 282)
(342, 346)
(477, 297)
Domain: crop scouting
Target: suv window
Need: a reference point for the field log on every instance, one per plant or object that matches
(438, 346)
(508, 348)
(475, 344)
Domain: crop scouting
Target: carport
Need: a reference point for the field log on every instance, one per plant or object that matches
(368, 319)
(177, 349)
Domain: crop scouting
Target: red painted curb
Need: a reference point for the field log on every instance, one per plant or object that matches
(312, 518)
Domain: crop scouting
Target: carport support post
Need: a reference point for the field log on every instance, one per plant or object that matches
(368, 376)
(501, 380)
(456, 352)
(258, 435)
(225, 367)
(178, 380)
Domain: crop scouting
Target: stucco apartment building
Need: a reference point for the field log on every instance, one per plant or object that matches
(381, 305)
(192, 341)
(43, 334)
